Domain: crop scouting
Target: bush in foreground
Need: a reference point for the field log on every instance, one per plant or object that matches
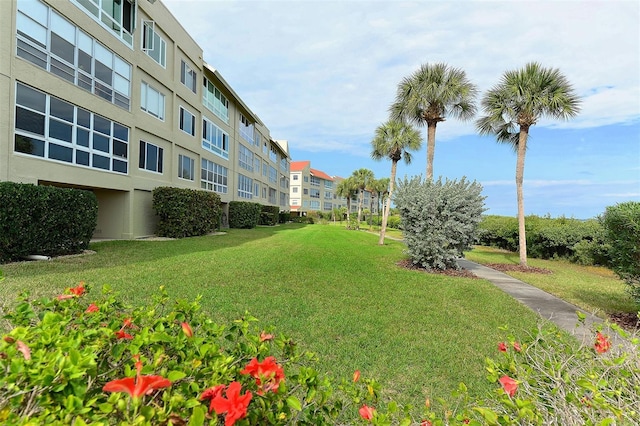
(74, 361)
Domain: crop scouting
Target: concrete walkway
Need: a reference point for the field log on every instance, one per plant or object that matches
(549, 307)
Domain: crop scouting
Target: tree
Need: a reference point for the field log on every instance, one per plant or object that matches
(430, 95)
(347, 188)
(378, 188)
(394, 140)
(361, 177)
(515, 104)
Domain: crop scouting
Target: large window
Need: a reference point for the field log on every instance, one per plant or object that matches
(214, 139)
(188, 76)
(284, 165)
(283, 199)
(49, 41)
(214, 177)
(151, 157)
(245, 158)
(152, 44)
(118, 16)
(187, 122)
(151, 101)
(246, 129)
(273, 154)
(185, 167)
(273, 174)
(315, 181)
(245, 186)
(51, 128)
(314, 193)
(215, 101)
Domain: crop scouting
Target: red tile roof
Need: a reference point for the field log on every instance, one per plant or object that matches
(298, 166)
(321, 174)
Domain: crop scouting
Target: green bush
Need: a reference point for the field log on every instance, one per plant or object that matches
(244, 214)
(269, 215)
(394, 222)
(44, 220)
(186, 212)
(622, 225)
(284, 217)
(439, 219)
(499, 231)
(83, 358)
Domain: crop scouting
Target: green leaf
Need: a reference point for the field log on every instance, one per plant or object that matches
(294, 403)
(489, 415)
(106, 407)
(197, 416)
(176, 375)
(147, 412)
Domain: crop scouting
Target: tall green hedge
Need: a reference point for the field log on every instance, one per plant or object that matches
(622, 225)
(186, 212)
(244, 214)
(269, 215)
(44, 220)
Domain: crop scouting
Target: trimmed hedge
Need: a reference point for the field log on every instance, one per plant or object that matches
(269, 215)
(186, 212)
(284, 217)
(44, 220)
(622, 225)
(244, 214)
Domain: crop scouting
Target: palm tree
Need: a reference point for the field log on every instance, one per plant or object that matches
(362, 177)
(377, 187)
(515, 104)
(394, 140)
(430, 95)
(347, 188)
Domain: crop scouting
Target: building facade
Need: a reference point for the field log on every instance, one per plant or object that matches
(312, 190)
(114, 96)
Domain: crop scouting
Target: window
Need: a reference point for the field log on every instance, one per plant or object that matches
(151, 101)
(213, 177)
(265, 169)
(152, 44)
(296, 177)
(314, 205)
(214, 139)
(185, 167)
(118, 16)
(328, 184)
(187, 122)
(295, 189)
(245, 186)
(256, 164)
(283, 199)
(314, 193)
(273, 154)
(256, 189)
(51, 128)
(72, 55)
(246, 129)
(306, 178)
(327, 195)
(284, 165)
(272, 195)
(315, 181)
(188, 77)
(215, 101)
(150, 157)
(258, 139)
(273, 174)
(327, 206)
(305, 191)
(245, 158)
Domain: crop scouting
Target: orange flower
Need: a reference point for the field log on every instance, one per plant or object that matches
(509, 385)
(211, 394)
(234, 405)
(517, 347)
(264, 336)
(187, 329)
(79, 290)
(121, 334)
(603, 344)
(502, 347)
(22, 347)
(138, 386)
(92, 308)
(127, 322)
(366, 412)
(268, 373)
(356, 376)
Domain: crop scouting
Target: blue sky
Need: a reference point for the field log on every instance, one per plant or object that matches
(322, 74)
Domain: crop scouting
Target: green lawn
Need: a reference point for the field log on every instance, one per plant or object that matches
(335, 291)
(595, 289)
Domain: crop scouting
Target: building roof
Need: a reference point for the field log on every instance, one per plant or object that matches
(298, 166)
(320, 174)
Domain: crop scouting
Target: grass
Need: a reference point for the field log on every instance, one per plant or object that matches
(336, 292)
(595, 289)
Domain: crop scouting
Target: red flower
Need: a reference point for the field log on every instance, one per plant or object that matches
(9, 339)
(92, 308)
(138, 386)
(509, 385)
(356, 376)
(65, 296)
(268, 373)
(425, 423)
(79, 290)
(211, 394)
(264, 336)
(502, 347)
(603, 344)
(22, 347)
(187, 329)
(121, 334)
(234, 405)
(517, 347)
(366, 412)
(128, 322)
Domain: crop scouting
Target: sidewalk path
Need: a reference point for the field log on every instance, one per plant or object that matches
(549, 307)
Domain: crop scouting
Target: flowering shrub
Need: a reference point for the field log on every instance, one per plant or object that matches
(75, 359)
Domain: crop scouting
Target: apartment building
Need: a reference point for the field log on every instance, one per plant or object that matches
(314, 190)
(114, 96)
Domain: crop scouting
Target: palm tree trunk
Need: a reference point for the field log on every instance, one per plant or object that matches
(387, 208)
(431, 147)
(522, 237)
(360, 201)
